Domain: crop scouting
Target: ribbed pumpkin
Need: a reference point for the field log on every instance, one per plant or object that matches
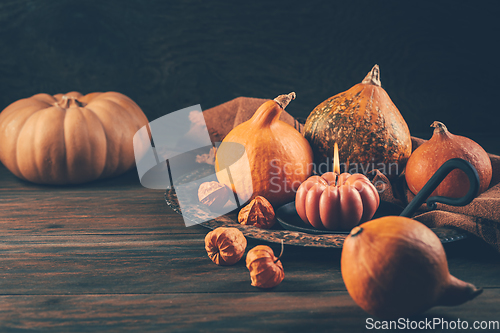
(278, 158)
(368, 127)
(336, 202)
(71, 138)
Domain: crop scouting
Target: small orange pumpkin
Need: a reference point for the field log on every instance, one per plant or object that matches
(266, 271)
(441, 147)
(396, 267)
(225, 246)
(71, 138)
(278, 160)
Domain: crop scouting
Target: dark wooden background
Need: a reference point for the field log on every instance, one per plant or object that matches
(438, 59)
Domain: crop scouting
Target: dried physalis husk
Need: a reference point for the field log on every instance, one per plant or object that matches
(266, 271)
(225, 246)
(259, 213)
(213, 195)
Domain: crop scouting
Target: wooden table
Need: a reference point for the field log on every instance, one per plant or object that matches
(111, 256)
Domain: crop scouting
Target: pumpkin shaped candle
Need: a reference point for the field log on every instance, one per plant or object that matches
(336, 201)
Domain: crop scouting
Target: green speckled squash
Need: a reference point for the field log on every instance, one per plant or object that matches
(370, 131)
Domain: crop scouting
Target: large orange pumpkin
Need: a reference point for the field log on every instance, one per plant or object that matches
(71, 138)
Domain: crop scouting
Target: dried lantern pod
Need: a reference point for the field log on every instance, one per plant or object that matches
(259, 213)
(225, 246)
(266, 271)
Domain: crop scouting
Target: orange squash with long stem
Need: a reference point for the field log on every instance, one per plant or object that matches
(276, 157)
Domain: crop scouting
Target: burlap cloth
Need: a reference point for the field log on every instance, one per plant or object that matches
(480, 218)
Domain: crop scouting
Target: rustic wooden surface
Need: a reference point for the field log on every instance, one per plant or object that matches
(111, 256)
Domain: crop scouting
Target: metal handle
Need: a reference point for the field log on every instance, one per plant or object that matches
(436, 179)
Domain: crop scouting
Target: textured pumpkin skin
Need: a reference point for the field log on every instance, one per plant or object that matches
(71, 138)
(365, 123)
(278, 160)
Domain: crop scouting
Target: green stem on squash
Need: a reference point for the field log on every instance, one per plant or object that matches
(373, 77)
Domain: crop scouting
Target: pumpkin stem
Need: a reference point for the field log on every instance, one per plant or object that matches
(283, 100)
(356, 231)
(269, 112)
(439, 127)
(67, 102)
(373, 77)
(281, 253)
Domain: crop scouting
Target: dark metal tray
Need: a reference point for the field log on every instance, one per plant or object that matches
(291, 230)
(288, 235)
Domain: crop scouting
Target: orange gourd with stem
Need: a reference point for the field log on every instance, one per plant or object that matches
(276, 158)
(396, 267)
(367, 126)
(441, 147)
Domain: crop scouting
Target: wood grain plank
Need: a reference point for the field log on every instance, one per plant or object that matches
(160, 263)
(254, 311)
(145, 263)
(117, 205)
(113, 256)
